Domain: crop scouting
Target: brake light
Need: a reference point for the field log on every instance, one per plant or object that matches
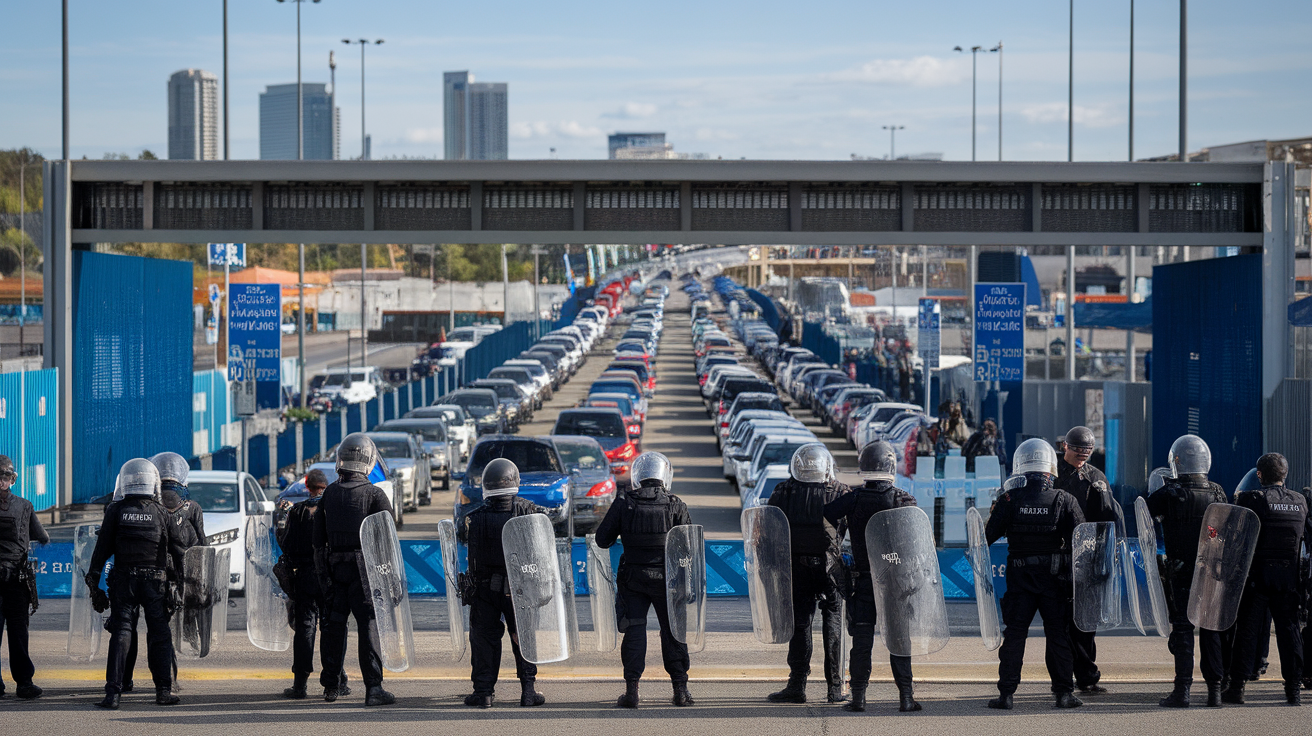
(604, 488)
(635, 429)
(702, 381)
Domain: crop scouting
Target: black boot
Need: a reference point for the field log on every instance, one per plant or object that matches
(1234, 694)
(330, 694)
(376, 695)
(28, 691)
(127, 686)
(298, 689)
(630, 697)
(1002, 702)
(907, 700)
(165, 696)
(478, 700)
(1179, 697)
(858, 702)
(110, 702)
(342, 688)
(793, 692)
(529, 697)
(1213, 695)
(1068, 700)
(682, 698)
(836, 694)
(1092, 688)
(1293, 693)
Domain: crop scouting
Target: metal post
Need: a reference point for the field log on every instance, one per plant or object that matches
(65, 61)
(999, 100)
(363, 148)
(1131, 146)
(1129, 333)
(364, 327)
(451, 289)
(924, 272)
(300, 101)
(300, 326)
(225, 80)
(227, 284)
(1070, 93)
(537, 302)
(974, 88)
(22, 260)
(1070, 313)
(1184, 81)
(505, 288)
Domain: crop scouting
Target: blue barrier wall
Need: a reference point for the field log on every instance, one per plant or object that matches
(29, 433)
(132, 379)
(496, 349)
(209, 410)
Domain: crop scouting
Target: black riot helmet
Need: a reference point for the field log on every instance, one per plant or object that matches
(1080, 438)
(7, 469)
(878, 461)
(356, 454)
(500, 478)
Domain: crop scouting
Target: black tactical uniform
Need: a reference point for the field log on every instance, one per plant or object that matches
(1273, 583)
(308, 605)
(1089, 487)
(1037, 519)
(489, 599)
(855, 511)
(641, 518)
(1180, 505)
(18, 528)
(339, 566)
(818, 580)
(139, 533)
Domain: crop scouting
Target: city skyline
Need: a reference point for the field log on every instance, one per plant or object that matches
(321, 122)
(193, 101)
(802, 88)
(475, 118)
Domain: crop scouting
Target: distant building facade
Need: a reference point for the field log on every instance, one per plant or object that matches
(475, 118)
(648, 145)
(321, 123)
(193, 115)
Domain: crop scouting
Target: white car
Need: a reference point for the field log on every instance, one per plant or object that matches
(453, 351)
(227, 498)
(735, 446)
(743, 463)
(769, 453)
(873, 424)
(388, 487)
(759, 494)
(354, 386)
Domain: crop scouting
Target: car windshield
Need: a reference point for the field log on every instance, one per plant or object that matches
(581, 455)
(778, 452)
(744, 404)
(623, 403)
(218, 498)
(391, 447)
(614, 387)
(431, 432)
(639, 367)
(590, 424)
(504, 390)
(886, 413)
(479, 404)
(528, 456)
(518, 376)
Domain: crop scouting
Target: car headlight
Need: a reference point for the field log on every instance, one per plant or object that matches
(214, 540)
(405, 473)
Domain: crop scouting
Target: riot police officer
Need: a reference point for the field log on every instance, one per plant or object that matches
(1037, 519)
(641, 518)
(818, 574)
(337, 561)
(1179, 505)
(1088, 485)
(138, 532)
(1273, 579)
(18, 527)
(486, 588)
(297, 576)
(878, 465)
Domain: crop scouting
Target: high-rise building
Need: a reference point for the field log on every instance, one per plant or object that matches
(321, 122)
(648, 141)
(193, 115)
(475, 118)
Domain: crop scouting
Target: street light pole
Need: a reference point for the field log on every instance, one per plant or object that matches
(1184, 81)
(999, 50)
(225, 82)
(65, 62)
(974, 55)
(1070, 91)
(892, 131)
(361, 43)
(1131, 145)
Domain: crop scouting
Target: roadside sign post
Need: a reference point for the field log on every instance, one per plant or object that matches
(999, 349)
(928, 340)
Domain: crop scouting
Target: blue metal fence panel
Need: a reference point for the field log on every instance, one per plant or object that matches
(1207, 355)
(333, 427)
(495, 349)
(768, 311)
(209, 410)
(29, 433)
(132, 383)
(287, 446)
(257, 464)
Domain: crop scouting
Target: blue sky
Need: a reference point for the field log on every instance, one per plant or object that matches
(763, 79)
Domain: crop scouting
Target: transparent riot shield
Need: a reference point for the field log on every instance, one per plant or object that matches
(84, 624)
(193, 623)
(908, 588)
(1132, 608)
(266, 603)
(455, 612)
(685, 584)
(565, 558)
(1152, 598)
(601, 596)
(768, 561)
(388, 590)
(1096, 605)
(981, 568)
(845, 654)
(223, 564)
(536, 589)
(1226, 544)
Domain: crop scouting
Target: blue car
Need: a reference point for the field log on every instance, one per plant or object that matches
(543, 479)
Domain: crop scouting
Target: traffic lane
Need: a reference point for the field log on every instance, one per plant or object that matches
(251, 707)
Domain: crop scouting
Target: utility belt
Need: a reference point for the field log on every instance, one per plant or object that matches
(342, 556)
(1056, 562)
(143, 573)
(811, 560)
(494, 580)
(11, 571)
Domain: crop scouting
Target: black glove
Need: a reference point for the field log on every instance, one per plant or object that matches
(99, 600)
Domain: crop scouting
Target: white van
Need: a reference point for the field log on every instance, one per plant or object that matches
(362, 384)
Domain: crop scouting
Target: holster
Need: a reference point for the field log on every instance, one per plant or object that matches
(282, 571)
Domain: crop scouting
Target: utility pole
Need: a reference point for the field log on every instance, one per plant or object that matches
(1070, 106)
(999, 50)
(1184, 81)
(1131, 146)
(892, 131)
(225, 84)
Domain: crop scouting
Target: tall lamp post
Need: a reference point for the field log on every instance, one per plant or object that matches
(300, 154)
(998, 49)
(974, 68)
(361, 43)
(892, 131)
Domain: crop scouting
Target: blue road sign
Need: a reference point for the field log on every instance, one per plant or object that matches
(999, 332)
(231, 254)
(927, 337)
(254, 333)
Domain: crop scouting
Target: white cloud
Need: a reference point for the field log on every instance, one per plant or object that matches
(922, 71)
(1098, 116)
(561, 129)
(423, 135)
(633, 111)
(710, 134)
